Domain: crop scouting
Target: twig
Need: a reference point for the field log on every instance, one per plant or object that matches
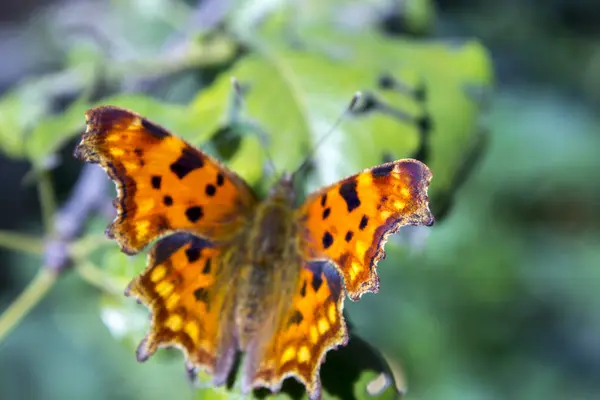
(20, 242)
(47, 202)
(88, 195)
(96, 277)
(35, 291)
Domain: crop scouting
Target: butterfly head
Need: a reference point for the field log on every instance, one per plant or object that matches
(283, 190)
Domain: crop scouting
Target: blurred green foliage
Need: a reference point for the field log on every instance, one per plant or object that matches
(498, 302)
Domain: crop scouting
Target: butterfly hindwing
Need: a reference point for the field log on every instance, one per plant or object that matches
(163, 183)
(311, 325)
(181, 288)
(348, 222)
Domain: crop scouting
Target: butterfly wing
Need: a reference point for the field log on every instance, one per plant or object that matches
(312, 324)
(348, 222)
(181, 287)
(163, 183)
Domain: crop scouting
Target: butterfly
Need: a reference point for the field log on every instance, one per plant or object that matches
(229, 272)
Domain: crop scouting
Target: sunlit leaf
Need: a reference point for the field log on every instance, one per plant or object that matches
(20, 110)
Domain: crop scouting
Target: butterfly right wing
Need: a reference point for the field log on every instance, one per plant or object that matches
(312, 323)
(349, 222)
(188, 302)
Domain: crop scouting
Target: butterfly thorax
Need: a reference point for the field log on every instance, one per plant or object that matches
(270, 268)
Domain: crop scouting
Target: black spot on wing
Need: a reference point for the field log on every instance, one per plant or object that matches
(210, 190)
(188, 161)
(327, 240)
(296, 318)
(303, 289)
(326, 213)
(167, 200)
(382, 170)
(220, 179)
(323, 270)
(157, 131)
(207, 267)
(194, 213)
(156, 181)
(363, 222)
(317, 281)
(192, 254)
(349, 194)
(323, 199)
(349, 236)
(201, 294)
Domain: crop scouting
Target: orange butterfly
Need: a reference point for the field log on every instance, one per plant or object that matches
(239, 273)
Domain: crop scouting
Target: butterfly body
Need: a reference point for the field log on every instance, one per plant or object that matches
(228, 271)
(268, 267)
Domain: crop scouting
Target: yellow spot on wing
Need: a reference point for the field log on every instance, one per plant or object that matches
(361, 248)
(399, 205)
(352, 273)
(164, 288)
(331, 312)
(158, 274)
(304, 354)
(314, 335)
(385, 214)
(323, 326)
(174, 323)
(405, 192)
(129, 166)
(117, 152)
(191, 328)
(288, 355)
(143, 227)
(113, 138)
(172, 301)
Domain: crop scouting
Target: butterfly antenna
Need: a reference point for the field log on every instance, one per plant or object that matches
(253, 127)
(322, 139)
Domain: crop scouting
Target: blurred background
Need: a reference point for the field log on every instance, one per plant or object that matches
(498, 300)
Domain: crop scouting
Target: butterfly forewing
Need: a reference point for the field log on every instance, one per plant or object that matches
(163, 183)
(348, 222)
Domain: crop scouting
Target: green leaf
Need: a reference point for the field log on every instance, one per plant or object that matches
(20, 109)
(296, 95)
(52, 132)
(445, 70)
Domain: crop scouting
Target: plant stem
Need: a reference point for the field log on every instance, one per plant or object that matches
(29, 298)
(20, 242)
(47, 202)
(96, 277)
(83, 247)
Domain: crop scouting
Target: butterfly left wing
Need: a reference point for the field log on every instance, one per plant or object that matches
(348, 223)
(311, 325)
(163, 183)
(184, 289)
